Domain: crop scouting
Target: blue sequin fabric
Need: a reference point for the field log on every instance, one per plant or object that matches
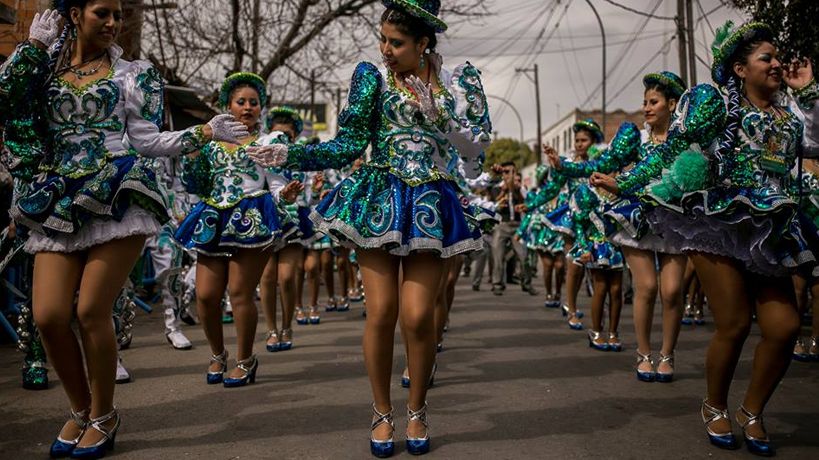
(747, 212)
(403, 198)
(534, 232)
(586, 208)
(84, 149)
(238, 209)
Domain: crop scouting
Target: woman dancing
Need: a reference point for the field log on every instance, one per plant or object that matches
(728, 208)
(234, 229)
(641, 248)
(86, 119)
(401, 209)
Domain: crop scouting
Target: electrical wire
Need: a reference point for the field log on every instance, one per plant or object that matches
(648, 15)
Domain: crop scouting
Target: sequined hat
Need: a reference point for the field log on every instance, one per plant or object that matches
(667, 79)
(288, 112)
(728, 40)
(589, 125)
(242, 78)
(426, 10)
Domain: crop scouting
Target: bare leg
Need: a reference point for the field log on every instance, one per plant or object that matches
(344, 269)
(560, 274)
(724, 282)
(56, 279)
(244, 271)
(268, 285)
(601, 290)
(644, 277)
(779, 324)
(327, 260)
(615, 292)
(312, 267)
(105, 272)
(380, 272)
(548, 262)
(211, 282)
(290, 259)
(672, 269)
(422, 272)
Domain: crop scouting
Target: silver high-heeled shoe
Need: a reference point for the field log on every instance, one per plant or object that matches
(711, 414)
(665, 377)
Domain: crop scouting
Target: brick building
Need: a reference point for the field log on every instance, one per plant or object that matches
(19, 13)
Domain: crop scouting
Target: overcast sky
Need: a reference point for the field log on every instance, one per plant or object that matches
(570, 60)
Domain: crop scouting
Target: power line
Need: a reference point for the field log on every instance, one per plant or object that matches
(564, 50)
(643, 67)
(648, 15)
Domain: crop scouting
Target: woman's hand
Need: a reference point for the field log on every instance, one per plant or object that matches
(318, 182)
(604, 182)
(291, 191)
(268, 156)
(324, 194)
(553, 157)
(426, 99)
(225, 128)
(798, 74)
(521, 208)
(585, 258)
(45, 28)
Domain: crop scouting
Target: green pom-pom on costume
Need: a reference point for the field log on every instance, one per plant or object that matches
(688, 173)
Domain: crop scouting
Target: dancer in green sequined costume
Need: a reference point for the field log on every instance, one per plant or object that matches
(401, 210)
(719, 191)
(85, 119)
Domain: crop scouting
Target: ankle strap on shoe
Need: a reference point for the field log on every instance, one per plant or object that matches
(667, 358)
(418, 415)
(379, 418)
(713, 414)
(643, 358)
(271, 334)
(221, 358)
(97, 423)
(81, 417)
(750, 418)
(247, 363)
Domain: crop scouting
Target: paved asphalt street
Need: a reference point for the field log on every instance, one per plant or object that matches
(513, 382)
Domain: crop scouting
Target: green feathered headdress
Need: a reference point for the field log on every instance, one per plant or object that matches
(728, 40)
(689, 172)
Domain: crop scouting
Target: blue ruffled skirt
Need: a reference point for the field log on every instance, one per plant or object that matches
(625, 224)
(374, 209)
(253, 222)
(60, 205)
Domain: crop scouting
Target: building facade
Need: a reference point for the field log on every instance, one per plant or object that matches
(561, 137)
(22, 12)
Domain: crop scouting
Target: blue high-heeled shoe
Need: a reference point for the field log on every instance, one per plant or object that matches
(711, 414)
(272, 347)
(62, 448)
(665, 377)
(215, 377)
(301, 317)
(343, 305)
(757, 446)
(331, 305)
(418, 446)
(614, 342)
(249, 367)
(565, 311)
(101, 447)
(314, 316)
(382, 448)
(286, 339)
(644, 376)
(593, 337)
(576, 326)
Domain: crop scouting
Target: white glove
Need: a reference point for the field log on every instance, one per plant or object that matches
(268, 156)
(45, 28)
(226, 129)
(426, 99)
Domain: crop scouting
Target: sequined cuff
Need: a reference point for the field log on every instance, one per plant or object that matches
(807, 95)
(193, 139)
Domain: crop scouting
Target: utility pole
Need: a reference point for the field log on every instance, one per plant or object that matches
(682, 40)
(603, 34)
(692, 50)
(536, 81)
(338, 107)
(312, 88)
